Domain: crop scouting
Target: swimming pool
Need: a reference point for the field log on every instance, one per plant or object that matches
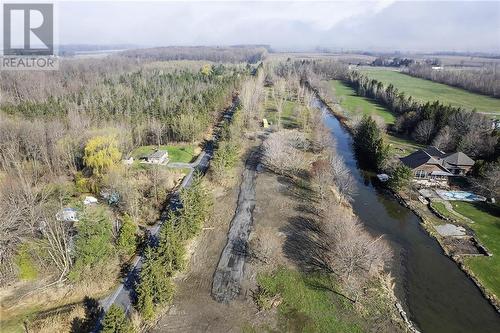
(459, 196)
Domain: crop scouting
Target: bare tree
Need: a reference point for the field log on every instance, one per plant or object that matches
(424, 131)
(489, 184)
(323, 178)
(280, 153)
(352, 253)
(279, 96)
(342, 178)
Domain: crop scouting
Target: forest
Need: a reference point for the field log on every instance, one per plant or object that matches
(63, 135)
(232, 54)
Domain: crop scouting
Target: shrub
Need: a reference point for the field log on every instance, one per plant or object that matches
(81, 183)
(25, 264)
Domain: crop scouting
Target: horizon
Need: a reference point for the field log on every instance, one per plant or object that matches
(373, 26)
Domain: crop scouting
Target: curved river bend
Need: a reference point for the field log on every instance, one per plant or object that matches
(438, 295)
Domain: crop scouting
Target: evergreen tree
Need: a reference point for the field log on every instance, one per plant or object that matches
(400, 177)
(127, 242)
(369, 144)
(115, 321)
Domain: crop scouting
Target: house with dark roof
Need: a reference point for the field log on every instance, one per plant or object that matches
(433, 163)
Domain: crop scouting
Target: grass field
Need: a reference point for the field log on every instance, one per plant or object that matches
(428, 91)
(307, 303)
(176, 153)
(486, 225)
(355, 104)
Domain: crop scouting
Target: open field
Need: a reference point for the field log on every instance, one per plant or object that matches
(355, 104)
(428, 91)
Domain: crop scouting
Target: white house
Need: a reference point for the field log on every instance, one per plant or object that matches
(158, 157)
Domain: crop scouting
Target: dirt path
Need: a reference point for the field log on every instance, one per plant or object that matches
(229, 273)
(193, 308)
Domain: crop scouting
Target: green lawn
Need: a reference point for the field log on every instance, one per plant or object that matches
(176, 153)
(353, 103)
(486, 225)
(307, 303)
(428, 91)
(441, 209)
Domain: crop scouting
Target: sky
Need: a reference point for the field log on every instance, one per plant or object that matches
(424, 26)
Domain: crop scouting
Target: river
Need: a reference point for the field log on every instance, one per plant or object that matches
(438, 296)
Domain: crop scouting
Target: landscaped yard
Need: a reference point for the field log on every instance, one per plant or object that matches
(486, 225)
(176, 153)
(428, 91)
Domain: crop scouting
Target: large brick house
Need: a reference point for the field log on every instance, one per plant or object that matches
(432, 163)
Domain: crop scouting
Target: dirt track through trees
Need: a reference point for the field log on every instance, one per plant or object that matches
(229, 273)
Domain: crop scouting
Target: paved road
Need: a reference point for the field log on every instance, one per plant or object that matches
(124, 294)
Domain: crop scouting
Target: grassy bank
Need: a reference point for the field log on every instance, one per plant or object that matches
(307, 302)
(428, 91)
(486, 225)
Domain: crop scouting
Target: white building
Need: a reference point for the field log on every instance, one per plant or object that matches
(158, 157)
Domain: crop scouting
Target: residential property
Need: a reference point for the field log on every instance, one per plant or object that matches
(432, 163)
(157, 157)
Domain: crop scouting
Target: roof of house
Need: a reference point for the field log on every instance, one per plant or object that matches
(433, 156)
(434, 152)
(158, 154)
(419, 158)
(458, 159)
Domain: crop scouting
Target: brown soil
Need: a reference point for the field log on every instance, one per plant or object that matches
(193, 308)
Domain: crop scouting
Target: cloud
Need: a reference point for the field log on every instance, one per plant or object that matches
(284, 24)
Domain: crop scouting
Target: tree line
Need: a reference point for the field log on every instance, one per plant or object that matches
(485, 80)
(447, 127)
(228, 54)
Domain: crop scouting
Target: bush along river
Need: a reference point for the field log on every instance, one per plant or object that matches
(437, 295)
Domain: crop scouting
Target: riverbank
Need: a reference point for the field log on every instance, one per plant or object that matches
(425, 215)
